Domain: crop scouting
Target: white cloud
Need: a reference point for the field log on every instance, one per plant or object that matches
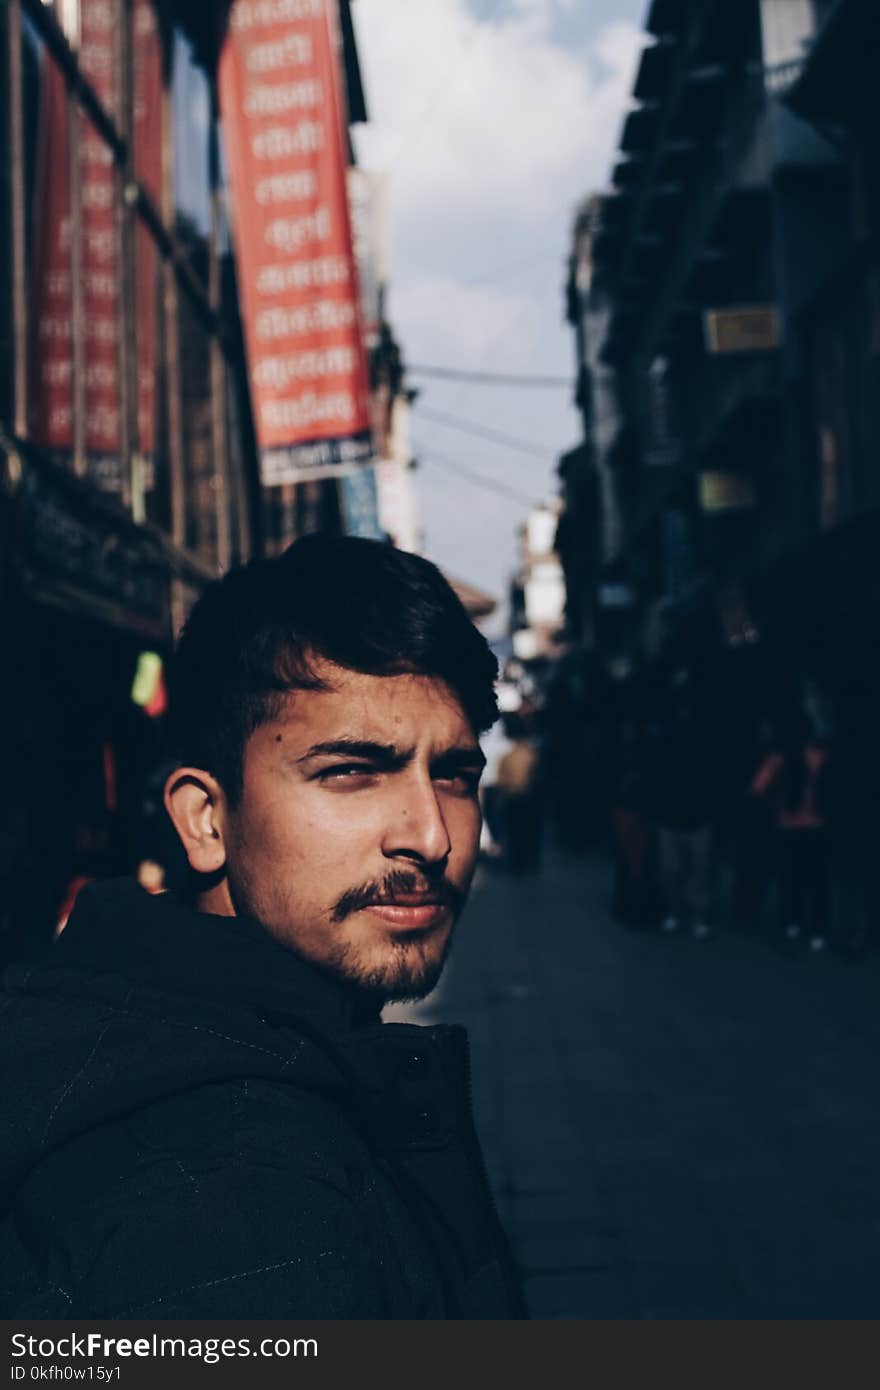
(492, 133)
(495, 116)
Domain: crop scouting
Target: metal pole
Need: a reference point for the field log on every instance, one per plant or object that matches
(17, 218)
(219, 436)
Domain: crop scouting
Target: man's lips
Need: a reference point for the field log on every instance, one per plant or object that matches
(409, 910)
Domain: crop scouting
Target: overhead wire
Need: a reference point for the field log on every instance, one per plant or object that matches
(471, 475)
(490, 378)
(509, 441)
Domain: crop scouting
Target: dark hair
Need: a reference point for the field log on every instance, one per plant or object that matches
(254, 635)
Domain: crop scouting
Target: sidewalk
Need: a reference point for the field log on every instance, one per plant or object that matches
(673, 1129)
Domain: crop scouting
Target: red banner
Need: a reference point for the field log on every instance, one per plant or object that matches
(285, 133)
(52, 346)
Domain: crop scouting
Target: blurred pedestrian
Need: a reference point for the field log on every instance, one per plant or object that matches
(793, 781)
(519, 780)
(635, 883)
(574, 804)
(684, 777)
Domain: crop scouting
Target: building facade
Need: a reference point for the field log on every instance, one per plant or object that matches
(724, 297)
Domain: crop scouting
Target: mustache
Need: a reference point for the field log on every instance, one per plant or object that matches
(400, 882)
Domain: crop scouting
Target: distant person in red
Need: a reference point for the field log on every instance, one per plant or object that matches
(71, 893)
(792, 781)
(92, 861)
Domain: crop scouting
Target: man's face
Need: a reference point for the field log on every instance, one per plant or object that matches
(357, 832)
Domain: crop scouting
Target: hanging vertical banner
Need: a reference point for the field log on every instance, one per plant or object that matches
(285, 131)
(52, 346)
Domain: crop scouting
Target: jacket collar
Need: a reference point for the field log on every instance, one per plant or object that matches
(118, 928)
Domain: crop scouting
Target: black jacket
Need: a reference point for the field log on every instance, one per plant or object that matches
(203, 1125)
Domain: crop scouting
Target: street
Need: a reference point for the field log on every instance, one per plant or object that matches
(673, 1128)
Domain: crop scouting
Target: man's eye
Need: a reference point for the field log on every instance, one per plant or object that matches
(461, 781)
(341, 771)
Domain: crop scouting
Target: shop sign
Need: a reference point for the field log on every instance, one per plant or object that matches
(68, 550)
(359, 500)
(726, 492)
(285, 127)
(745, 328)
(52, 344)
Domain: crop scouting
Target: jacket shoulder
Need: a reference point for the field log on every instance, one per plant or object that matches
(216, 1204)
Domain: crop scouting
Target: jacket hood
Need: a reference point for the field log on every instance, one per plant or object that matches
(143, 997)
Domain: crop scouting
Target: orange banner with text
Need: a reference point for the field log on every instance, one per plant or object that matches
(284, 124)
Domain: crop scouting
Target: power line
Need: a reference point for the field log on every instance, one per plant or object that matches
(477, 479)
(491, 378)
(481, 432)
(525, 305)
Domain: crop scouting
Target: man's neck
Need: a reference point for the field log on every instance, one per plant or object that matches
(217, 900)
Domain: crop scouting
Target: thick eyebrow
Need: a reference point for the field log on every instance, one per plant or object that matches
(467, 757)
(385, 755)
(390, 758)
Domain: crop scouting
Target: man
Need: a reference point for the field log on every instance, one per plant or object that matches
(210, 1119)
(519, 780)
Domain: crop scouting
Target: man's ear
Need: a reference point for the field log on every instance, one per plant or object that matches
(194, 801)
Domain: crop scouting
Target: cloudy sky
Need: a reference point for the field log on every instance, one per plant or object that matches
(494, 118)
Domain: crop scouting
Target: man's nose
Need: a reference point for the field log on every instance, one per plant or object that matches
(417, 828)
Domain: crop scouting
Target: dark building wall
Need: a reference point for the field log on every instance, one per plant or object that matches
(723, 198)
(758, 187)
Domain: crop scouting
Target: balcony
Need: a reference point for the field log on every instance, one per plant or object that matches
(654, 70)
(639, 128)
(627, 173)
